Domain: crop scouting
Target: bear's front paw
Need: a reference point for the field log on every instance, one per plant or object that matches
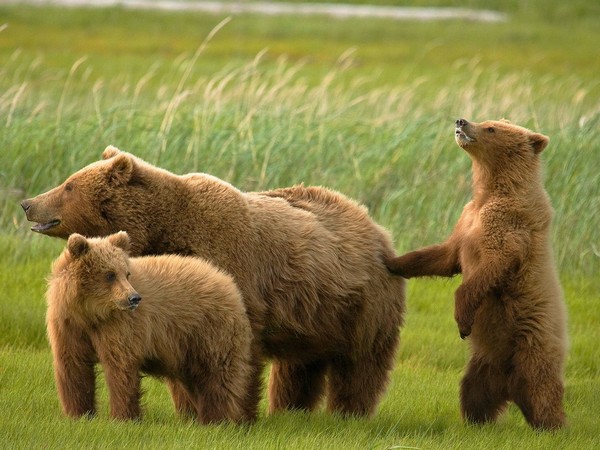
(464, 311)
(398, 266)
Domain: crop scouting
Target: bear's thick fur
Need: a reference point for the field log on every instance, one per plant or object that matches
(173, 317)
(510, 301)
(309, 263)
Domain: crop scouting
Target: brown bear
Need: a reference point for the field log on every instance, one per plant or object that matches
(309, 263)
(173, 317)
(510, 300)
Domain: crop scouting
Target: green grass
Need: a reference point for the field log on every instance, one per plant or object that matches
(363, 106)
(420, 409)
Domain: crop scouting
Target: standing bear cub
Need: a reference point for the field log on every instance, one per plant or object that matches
(308, 261)
(172, 317)
(510, 301)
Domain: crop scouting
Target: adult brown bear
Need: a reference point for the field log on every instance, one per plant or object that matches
(510, 301)
(309, 263)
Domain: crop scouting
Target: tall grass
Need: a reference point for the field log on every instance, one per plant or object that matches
(261, 127)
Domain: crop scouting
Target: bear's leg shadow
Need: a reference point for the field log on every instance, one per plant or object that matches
(357, 384)
(537, 388)
(182, 400)
(296, 386)
(483, 392)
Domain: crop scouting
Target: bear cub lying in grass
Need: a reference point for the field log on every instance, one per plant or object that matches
(172, 317)
(510, 300)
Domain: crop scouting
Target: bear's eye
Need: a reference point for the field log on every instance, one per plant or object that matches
(111, 277)
(491, 129)
(68, 187)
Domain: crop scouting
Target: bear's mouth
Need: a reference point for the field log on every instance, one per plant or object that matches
(42, 227)
(462, 136)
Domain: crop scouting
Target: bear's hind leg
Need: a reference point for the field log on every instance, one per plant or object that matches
(356, 385)
(537, 389)
(182, 400)
(254, 384)
(296, 386)
(483, 392)
(221, 391)
(217, 401)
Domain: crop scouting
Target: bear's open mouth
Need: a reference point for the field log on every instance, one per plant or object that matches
(41, 227)
(460, 134)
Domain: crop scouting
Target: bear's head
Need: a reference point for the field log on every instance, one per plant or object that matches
(499, 144)
(91, 278)
(87, 202)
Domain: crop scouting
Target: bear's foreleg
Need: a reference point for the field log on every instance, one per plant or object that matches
(356, 385)
(499, 260)
(74, 361)
(435, 260)
(124, 390)
(483, 392)
(296, 386)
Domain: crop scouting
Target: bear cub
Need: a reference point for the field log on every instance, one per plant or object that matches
(176, 318)
(510, 301)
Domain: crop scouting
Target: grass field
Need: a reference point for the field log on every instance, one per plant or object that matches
(363, 106)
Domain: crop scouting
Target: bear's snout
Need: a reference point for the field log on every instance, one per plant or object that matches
(461, 123)
(26, 205)
(133, 300)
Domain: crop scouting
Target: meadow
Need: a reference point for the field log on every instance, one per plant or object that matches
(366, 107)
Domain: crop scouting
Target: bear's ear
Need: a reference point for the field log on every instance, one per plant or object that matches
(77, 245)
(121, 169)
(538, 142)
(120, 239)
(505, 120)
(110, 151)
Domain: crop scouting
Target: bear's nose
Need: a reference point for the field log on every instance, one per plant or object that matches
(461, 122)
(25, 205)
(134, 299)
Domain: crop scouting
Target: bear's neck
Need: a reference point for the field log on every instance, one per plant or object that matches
(157, 204)
(524, 183)
(188, 216)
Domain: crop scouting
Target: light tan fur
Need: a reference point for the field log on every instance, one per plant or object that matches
(189, 328)
(510, 301)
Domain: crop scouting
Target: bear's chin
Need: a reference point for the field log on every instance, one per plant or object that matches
(44, 227)
(462, 138)
(126, 306)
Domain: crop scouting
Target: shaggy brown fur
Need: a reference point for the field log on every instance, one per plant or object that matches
(510, 301)
(190, 328)
(308, 261)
